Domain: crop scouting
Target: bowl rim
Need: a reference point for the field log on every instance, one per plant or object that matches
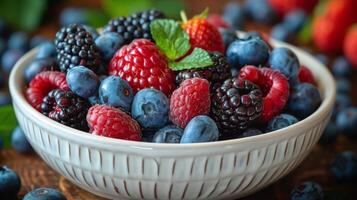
(324, 78)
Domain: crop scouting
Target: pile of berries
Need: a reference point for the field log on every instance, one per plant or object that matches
(149, 78)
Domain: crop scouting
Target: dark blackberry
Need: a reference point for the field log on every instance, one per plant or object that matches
(135, 26)
(235, 105)
(66, 108)
(75, 46)
(216, 74)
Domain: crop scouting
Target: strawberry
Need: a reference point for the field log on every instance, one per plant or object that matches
(350, 46)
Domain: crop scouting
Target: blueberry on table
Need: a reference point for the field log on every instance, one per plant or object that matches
(343, 86)
(108, 43)
(295, 20)
(281, 32)
(4, 99)
(260, 11)
(10, 183)
(346, 120)
(344, 167)
(307, 191)
(168, 134)
(341, 67)
(200, 129)
(9, 59)
(342, 101)
(281, 121)
(19, 141)
(44, 194)
(18, 41)
(82, 81)
(285, 61)
(234, 15)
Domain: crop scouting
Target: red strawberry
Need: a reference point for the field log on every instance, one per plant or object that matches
(217, 21)
(111, 122)
(42, 84)
(350, 46)
(274, 85)
(305, 76)
(282, 7)
(192, 98)
(204, 35)
(142, 65)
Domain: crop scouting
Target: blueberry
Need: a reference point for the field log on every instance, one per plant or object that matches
(343, 86)
(116, 92)
(342, 101)
(46, 50)
(18, 41)
(10, 183)
(295, 20)
(19, 141)
(330, 134)
(9, 59)
(39, 65)
(247, 51)
(168, 134)
(341, 67)
(304, 100)
(251, 132)
(73, 15)
(200, 129)
(281, 32)
(92, 31)
(260, 11)
(108, 44)
(4, 99)
(344, 167)
(281, 121)
(82, 81)
(322, 58)
(38, 40)
(346, 120)
(228, 35)
(234, 15)
(285, 61)
(44, 194)
(307, 191)
(150, 108)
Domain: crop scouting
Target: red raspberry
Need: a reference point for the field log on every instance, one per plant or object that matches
(111, 122)
(283, 7)
(306, 76)
(204, 35)
(192, 98)
(275, 87)
(350, 46)
(142, 65)
(42, 84)
(217, 21)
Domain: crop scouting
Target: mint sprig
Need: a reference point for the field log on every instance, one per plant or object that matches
(8, 123)
(199, 58)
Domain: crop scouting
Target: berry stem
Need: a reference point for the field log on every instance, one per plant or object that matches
(183, 16)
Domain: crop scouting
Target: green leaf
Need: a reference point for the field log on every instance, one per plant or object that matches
(199, 58)
(8, 123)
(171, 8)
(125, 7)
(96, 18)
(170, 38)
(305, 34)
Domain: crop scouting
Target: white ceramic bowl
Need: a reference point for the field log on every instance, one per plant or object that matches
(119, 169)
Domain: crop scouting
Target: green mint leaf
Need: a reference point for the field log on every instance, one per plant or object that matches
(8, 123)
(199, 58)
(170, 38)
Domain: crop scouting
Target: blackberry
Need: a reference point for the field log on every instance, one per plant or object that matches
(75, 46)
(66, 108)
(135, 26)
(216, 74)
(235, 105)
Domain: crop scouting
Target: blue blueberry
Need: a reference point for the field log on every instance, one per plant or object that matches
(281, 121)
(346, 120)
(46, 50)
(341, 67)
(307, 191)
(9, 59)
(234, 15)
(343, 86)
(342, 101)
(251, 132)
(322, 58)
(285, 61)
(4, 99)
(344, 167)
(73, 15)
(150, 108)
(38, 40)
(82, 81)
(260, 11)
(200, 129)
(168, 134)
(247, 51)
(116, 92)
(304, 100)
(10, 183)
(295, 20)
(330, 134)
(44, 194)
(19, 141)
(92, 31)
(18, 41)
(39, 65)
(228, 36)
(108, 44)
(281, 32)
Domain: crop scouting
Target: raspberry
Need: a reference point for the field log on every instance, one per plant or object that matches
(204, 35)
(192, 98)
(112, 122)
(66, 108)
(275, 87)
(350, 46)
(42, 84)
(142, 65)
(305, 76)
